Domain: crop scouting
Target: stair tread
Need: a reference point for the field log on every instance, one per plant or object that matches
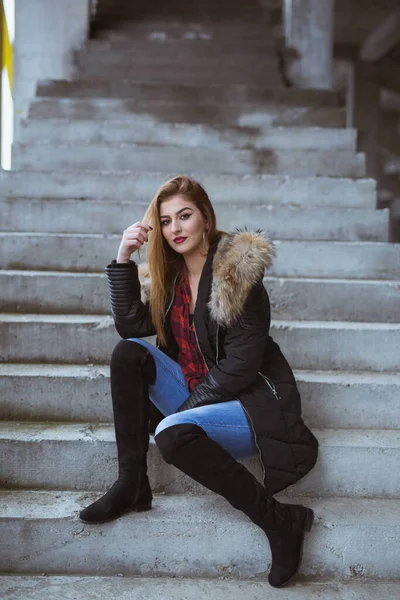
(71, 587)
(47, 505)
(95, 318)
(98, 370)
(102, 432)
(267, 278)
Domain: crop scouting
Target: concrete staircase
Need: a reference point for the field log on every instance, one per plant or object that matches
(171, 92)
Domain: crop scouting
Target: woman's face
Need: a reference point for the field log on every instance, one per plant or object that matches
(180, 218)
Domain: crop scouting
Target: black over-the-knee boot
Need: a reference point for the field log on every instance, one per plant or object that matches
(132, 369)
(188, 448)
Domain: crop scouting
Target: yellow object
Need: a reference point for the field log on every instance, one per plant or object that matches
(6, 48)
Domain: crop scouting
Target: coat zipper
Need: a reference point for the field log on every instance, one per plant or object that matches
(197, 340)
(270, 384)
(255, 440)
(170, 304)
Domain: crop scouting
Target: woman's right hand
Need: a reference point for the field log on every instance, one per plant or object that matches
(132, 239)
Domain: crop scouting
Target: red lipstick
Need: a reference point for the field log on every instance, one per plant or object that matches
(179, 240)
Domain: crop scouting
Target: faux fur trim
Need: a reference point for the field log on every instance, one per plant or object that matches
(145, 282)
(239, 263)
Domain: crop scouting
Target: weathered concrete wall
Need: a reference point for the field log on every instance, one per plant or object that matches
(46, 34)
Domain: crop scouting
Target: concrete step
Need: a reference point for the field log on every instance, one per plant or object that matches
(170, 73)
(152, 91)
(196, 536)
(332, 345)
(112, 156)
(181, 55)
(291, 298)
(226, 30)
(92, 252)
(175, 104)
(135, 130)
(331, 223)
(16, 587)
(195, 43)
(176, 74)
(125, 185)
(179, 59)
(350, 463)
(79, 393)
(215, 93)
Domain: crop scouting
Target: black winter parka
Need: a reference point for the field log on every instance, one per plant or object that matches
(232, 321)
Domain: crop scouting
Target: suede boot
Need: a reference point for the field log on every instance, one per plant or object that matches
(132, 369)
(188, 448)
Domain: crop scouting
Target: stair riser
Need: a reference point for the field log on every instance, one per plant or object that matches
(69, 293)
(281, 191)
(305, 347)
(195, 32)
(325, 404)
(294, 259)
(178, 59)
(214, 94)
(197, 45)
(151, 158)
(135, 130)
(199, 544)
(171, 75)
(90, 464)
(178, 110)
(281, 223)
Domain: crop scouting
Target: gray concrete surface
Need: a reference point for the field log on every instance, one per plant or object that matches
(314, 223)
(308, 29)
(291, 298)
(92, 252)
(214, 93)
(138, 130)
(351, 463)
(167, 588)
(127, 185)
(147, 157)
(192, 536)
(206, 72)
(307, 344)
(79, 393)
(145, 106)
(46, 34)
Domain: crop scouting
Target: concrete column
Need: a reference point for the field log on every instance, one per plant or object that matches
(46, 34)
(308, 28)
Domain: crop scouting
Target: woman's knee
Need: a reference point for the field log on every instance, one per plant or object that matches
(129, 352)
(173, 433)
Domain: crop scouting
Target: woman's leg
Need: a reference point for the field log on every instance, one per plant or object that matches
(169, 389)
(138, 370)
(225, 423)
(203, 444)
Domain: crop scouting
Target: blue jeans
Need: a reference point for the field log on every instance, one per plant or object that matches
(225, 423)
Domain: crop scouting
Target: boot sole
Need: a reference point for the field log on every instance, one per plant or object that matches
(308, 523)
(137, 508)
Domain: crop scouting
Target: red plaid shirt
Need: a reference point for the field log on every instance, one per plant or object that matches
(190, 358)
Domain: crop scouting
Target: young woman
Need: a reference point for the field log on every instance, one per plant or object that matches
(222, 387)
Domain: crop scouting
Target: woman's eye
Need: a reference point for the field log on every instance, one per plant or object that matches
(164, 222)
(185, 215)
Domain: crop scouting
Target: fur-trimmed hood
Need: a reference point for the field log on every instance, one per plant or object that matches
(238, 264)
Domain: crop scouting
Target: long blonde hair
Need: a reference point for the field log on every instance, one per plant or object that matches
(163, 261)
